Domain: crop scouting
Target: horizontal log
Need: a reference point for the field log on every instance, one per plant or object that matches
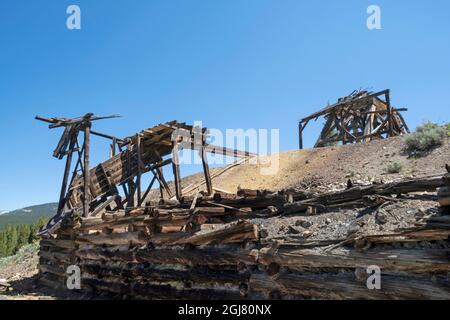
(161, 291)
(214, 256)
(115, 239)
(218, 211)
(357, 193)
(237, 233)
(58, 244)
(136, 273)
(413, 234)
(58, 256)
(55, 270)
(405, 260)
(345, 286)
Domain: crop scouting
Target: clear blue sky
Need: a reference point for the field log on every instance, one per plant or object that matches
(231, 63)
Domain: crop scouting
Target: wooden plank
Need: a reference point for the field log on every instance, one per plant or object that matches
(86, 182)
(208, 183)
(139, 168)
(176, 171)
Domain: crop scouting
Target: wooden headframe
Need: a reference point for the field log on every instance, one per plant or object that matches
(361, 116)
(93, 190)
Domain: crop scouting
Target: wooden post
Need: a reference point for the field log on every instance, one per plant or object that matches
(139, 169)
(149, 188)
(300, 135)
(176, 170)
(342, 124)
(86, 185)
(131, 193)
(162, 182)
(208, 183)
(389, 113)
(62, 195)
(161, 191)
(130, 184)
(113, 148)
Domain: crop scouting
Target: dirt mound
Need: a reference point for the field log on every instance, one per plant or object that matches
(366, 162)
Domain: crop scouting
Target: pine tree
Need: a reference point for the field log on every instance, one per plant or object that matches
(11, 240)
(3, 251)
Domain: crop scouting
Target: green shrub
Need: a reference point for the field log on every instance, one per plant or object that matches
(426, 137)
(394, 167)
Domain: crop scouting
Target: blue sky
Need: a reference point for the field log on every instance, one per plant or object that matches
(231, 64)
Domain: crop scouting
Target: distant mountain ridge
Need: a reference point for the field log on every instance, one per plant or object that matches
(27, 215)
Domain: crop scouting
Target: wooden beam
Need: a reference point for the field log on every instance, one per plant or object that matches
(206, 172)
(87, 177)
(103, 206)
(176, 171)
(62, 196)
(139, 168)
(149, 188)
(162, 182)
(389, 113)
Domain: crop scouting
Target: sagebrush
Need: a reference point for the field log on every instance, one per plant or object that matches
(427, 136)
(394, 167)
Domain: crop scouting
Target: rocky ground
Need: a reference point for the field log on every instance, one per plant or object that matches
(318, 170)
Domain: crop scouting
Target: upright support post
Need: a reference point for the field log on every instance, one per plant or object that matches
(62, 196)
(112, 152)
(342, 125)
(149, 188)
(131, 193)
(139, 169)
(162, 182)
(204, 156)
(176, 170)
(300, 135)
(161, 191)
(130, 183)
(87, 193)
(389, 113)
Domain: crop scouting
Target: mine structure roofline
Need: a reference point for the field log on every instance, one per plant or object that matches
(91, 191)
(358, 117)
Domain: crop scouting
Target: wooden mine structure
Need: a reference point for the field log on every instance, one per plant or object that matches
(92, 191)
(361, 116)
(215, 245)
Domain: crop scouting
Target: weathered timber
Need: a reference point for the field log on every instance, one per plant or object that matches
(134, 272)
(357, 193)
(444, 196)
(346, 286)
(412, 261)
(240, 232)
(115, 238)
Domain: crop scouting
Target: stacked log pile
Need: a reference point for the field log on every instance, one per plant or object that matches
(207, 247)
(55, 256)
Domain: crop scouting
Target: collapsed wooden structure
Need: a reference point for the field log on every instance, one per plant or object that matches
(209, 245)
(361, 116)
(92, 191)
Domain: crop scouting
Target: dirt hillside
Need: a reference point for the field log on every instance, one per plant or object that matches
(335, 165)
